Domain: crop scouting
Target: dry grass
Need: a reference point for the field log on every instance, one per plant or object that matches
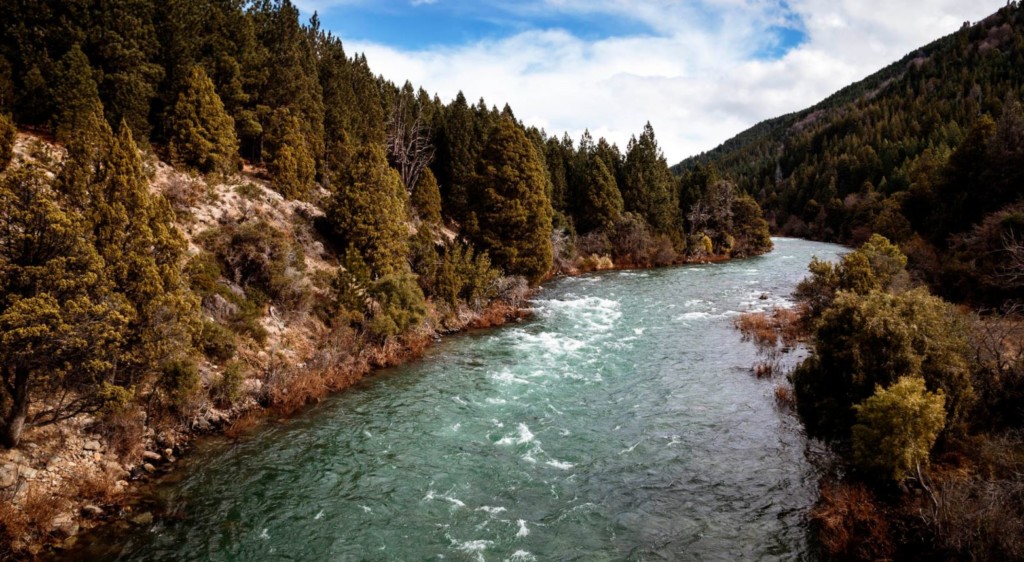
(785, 398)
(850, 523)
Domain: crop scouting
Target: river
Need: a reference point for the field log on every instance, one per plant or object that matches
(621, 423)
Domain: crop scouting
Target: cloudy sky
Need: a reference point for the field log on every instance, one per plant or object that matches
(699, 70)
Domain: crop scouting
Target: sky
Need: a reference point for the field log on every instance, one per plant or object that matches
(700, 71)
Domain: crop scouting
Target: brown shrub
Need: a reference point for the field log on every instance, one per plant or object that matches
(850, 524)
(785, 398)
(242, 424)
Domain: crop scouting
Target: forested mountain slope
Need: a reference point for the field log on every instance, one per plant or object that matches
(927, 152)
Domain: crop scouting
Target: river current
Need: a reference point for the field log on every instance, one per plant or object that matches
(621, 423)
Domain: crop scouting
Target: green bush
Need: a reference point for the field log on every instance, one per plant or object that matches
(180, 381)
(228, 388)
(217, 342)
(862, 342)
(897, 427)
(398, 305)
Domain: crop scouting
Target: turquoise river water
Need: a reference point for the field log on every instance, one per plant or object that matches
(621, 423)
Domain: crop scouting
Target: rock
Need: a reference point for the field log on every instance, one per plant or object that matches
(28, 472)
(65, 524)
(91, 510)
(168, 453)
(151, 456)
(8, 477)
(98, 457)
(93, 446)
(114, 468)
(149, 468)
(143, 519)
(219, 308)
(15, 456)
(166, 439)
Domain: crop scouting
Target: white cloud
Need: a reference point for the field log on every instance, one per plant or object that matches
(698, 84)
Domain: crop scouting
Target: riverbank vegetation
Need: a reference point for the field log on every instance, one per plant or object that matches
(919, 398)
(920, 401)
(212, 209)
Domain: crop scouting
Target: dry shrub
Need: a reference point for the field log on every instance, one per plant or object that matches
(785, 398)
(26, 523)
(850, 524)
(980, 515)
(594, 262)
(98, 486)
(124, 432)
(183, 192)
(242, 424)
(758, 328)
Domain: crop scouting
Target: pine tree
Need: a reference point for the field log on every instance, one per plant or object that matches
(456, 154)
(8, 134)
(202, 133)
(122, 43)
(143, 251)
(426, 198)
(601, 200)
(75, 94)
(368, 212)
(512, 218)
(291, 163)
(648, 187)
(59, 322)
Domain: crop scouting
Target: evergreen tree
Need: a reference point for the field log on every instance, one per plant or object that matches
(142, 251)
(122, 42)
(512, 218)
(291, 163)
(648, 187)
(368, 212)
(455, 160)
(8, 134)
(59, 323)
(202, 133)
(897, 428)
(426, 198)
(602, 202)
(291, 80)
(75, 94)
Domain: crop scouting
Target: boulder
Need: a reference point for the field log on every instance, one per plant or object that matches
(149, 468)
(8, 476)
(151, 456)
(93, 445)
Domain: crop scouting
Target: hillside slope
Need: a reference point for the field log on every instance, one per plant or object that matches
(926, 151)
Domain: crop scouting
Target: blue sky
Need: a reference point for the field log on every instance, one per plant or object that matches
(408, 25)
(699, 70)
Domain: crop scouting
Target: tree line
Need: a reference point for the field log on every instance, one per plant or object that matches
(426, 204)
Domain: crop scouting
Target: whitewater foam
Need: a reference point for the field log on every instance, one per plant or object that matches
(524, 436)
(523, 530)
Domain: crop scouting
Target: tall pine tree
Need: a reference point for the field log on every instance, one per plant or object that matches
(511, 214)
(202, 133)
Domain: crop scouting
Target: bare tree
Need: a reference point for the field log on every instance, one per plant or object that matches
(409, 148)
(1013, 269)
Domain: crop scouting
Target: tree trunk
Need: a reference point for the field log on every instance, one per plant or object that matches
(14, 419)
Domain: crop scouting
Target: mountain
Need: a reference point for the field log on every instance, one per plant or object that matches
(926, 151)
